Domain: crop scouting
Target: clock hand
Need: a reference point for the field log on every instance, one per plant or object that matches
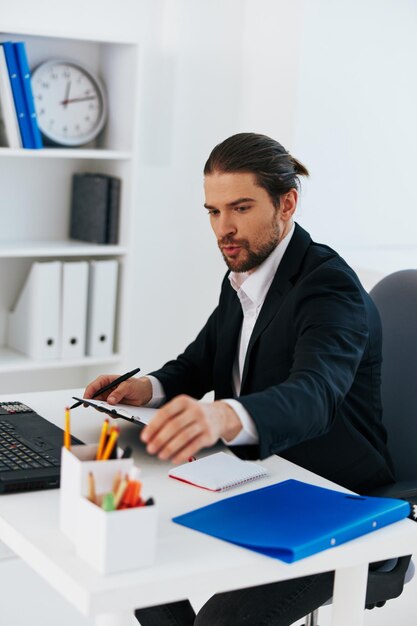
(67, 93)
(65, 102)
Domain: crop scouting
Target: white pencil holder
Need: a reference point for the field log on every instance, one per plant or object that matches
(75, 467)
(115, 541)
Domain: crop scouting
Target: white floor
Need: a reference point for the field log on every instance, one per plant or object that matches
(26, 599)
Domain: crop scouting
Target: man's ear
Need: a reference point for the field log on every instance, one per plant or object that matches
(288, 204)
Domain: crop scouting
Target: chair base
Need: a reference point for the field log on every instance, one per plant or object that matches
(311, 620)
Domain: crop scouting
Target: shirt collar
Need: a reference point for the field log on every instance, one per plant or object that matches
(255, 285)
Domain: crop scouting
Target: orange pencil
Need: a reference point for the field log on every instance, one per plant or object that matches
(126, 497)
(102, 441)
(67, 431)
(114, 433)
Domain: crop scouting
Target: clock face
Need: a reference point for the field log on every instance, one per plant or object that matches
(70, 103)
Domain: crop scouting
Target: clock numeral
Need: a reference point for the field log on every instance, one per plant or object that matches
(45, 85)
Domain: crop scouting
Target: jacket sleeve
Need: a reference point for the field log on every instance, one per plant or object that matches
(331, 334)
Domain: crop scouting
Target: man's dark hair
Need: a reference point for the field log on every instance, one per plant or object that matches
(274, 168)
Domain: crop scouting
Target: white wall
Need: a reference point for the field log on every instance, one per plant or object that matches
(355, 128)
(191, 100)
(334, 81)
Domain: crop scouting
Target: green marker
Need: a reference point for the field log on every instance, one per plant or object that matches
(108, 502)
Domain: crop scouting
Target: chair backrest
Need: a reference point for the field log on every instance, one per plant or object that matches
(396, 299)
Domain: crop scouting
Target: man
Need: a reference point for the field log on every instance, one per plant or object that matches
(292, 352)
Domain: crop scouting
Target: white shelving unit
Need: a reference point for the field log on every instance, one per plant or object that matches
(35, 188)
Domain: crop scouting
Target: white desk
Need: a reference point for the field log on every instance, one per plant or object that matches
(187, 562)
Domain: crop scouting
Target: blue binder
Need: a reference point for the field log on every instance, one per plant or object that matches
(292, 519)
(23, 65)
(18, 96)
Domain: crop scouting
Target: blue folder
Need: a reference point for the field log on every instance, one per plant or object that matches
(24, 72)
(292, 519)
(18, 95)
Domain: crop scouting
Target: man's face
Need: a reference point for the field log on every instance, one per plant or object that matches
(244, 219)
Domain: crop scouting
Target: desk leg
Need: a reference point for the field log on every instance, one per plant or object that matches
(349, 594)
(124, 618)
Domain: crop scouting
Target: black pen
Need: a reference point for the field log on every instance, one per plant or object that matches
(114, 383)
(127, 453)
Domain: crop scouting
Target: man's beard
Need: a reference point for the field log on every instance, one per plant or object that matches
(252, 259)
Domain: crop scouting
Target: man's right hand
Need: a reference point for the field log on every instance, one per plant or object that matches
(136, 391)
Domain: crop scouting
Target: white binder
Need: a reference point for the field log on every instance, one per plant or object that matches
(34, 324)
(74, 309)
(102, 295)
(8, 111)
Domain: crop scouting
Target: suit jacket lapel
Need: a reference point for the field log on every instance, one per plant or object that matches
(280, 286)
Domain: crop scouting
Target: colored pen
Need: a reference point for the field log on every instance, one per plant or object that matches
(126, 497)
(114, 433)
(108, 502)
(134, 494)
(103, 438)
(114, 383)
(67, 432)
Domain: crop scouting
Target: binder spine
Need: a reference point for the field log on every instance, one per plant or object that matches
(12, 138)
(34, 324)
(19, 100)
(23, 65)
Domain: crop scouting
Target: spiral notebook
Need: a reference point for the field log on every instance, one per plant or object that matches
(218, 472)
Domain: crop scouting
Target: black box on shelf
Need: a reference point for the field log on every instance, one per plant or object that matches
(95, 203)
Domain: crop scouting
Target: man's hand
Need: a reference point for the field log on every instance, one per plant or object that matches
(184, 426)
(136, 391)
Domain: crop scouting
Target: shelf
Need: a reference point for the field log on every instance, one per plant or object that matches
(68, 248)
(13, 361)
(66, 153)
(36, 185)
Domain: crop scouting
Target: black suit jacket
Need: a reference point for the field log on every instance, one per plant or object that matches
(311, 379)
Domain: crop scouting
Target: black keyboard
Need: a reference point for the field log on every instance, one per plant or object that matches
(9, 408)
(15, 453)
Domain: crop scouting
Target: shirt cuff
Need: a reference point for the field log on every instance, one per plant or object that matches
(248, 435)
(158, 393)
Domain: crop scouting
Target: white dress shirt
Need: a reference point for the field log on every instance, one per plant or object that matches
(251, 288)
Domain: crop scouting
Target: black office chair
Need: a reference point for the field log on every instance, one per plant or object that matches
(396, 299)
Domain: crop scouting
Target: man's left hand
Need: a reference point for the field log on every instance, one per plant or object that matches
(184, 426)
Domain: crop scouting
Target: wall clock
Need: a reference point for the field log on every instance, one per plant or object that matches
(70, 102)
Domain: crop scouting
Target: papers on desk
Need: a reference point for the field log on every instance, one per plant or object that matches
(291, 520)
(137, 414)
